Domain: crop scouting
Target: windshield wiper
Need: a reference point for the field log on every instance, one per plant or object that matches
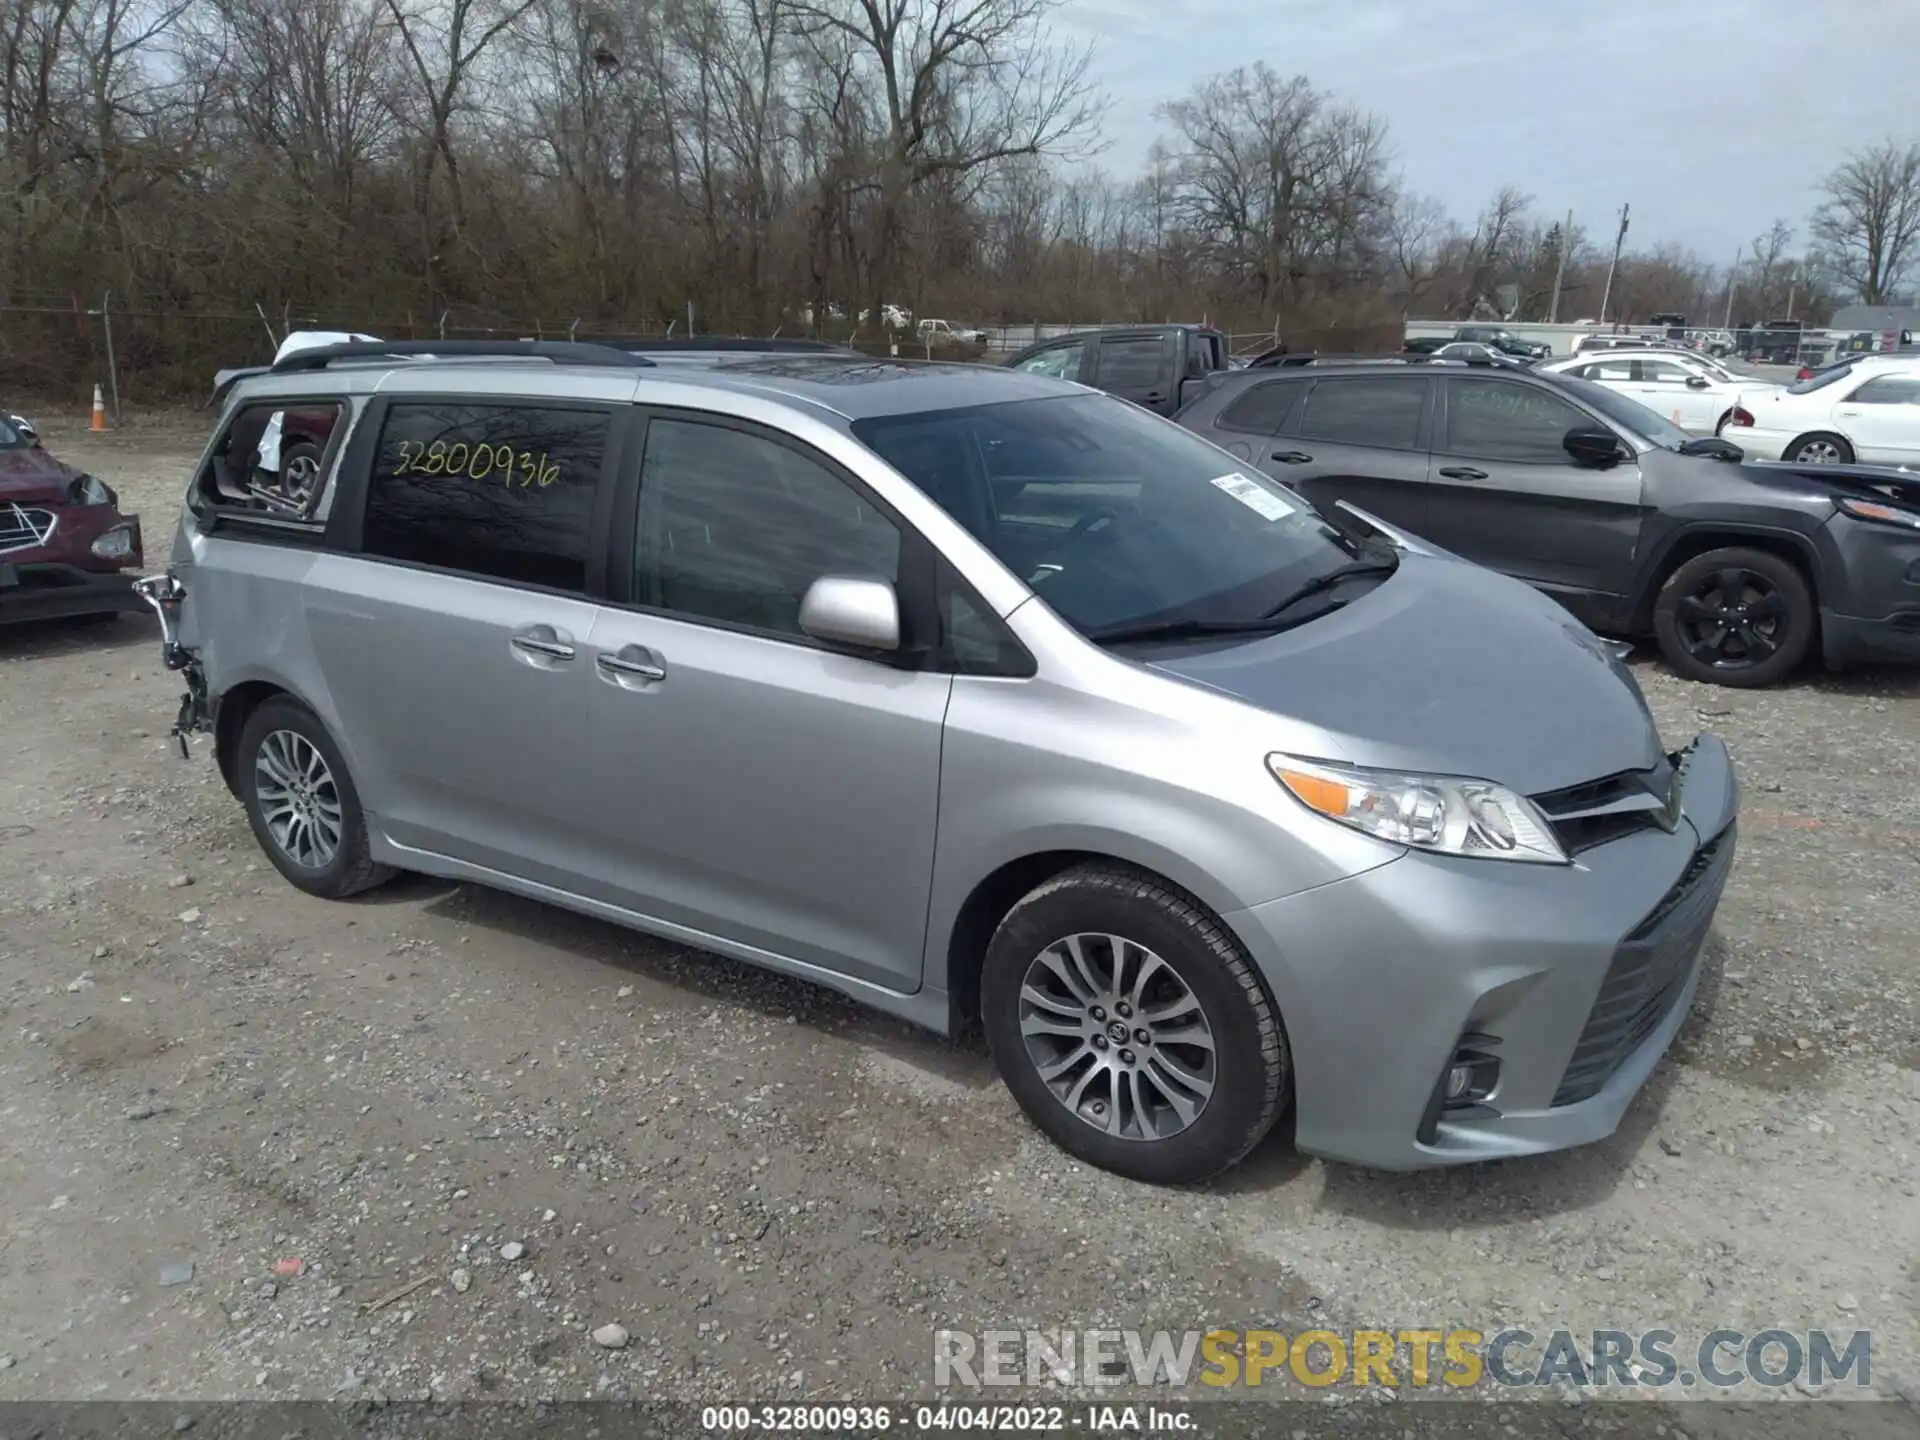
(1330, 579)
(1270, 623)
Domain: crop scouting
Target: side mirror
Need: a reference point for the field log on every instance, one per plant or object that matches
(845, 610)
(1592, 446)
(1696, 382)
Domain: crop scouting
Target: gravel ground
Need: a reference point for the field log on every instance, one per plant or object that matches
(484, 1128)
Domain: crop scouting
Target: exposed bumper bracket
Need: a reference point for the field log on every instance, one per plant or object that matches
(165, 594)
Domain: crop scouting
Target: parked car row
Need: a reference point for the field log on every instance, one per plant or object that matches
(983, 698)
(1599, 480)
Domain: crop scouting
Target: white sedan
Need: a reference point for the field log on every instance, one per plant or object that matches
(1694, 391)
(1866, 412)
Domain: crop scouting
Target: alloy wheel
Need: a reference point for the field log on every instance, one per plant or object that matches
(1118, 1036)
(298, 798)
(1818, 452)
(1733, 619)
(300, 477)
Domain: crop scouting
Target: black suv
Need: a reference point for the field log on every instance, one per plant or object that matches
(1740, 569)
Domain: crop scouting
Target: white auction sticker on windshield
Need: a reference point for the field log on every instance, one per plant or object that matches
(1254, 496)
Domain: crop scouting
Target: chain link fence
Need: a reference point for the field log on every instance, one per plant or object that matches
(55, 349)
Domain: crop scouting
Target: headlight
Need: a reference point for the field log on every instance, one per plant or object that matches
(86, 490)
(1885, 514)
(1442, 813)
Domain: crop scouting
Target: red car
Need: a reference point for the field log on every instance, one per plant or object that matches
(65, 548)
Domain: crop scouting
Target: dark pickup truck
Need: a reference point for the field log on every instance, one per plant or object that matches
(1160, 367)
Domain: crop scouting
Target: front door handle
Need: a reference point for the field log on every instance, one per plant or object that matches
(1291, 457)
(1462, 472)
(630, 666)
(543, 643)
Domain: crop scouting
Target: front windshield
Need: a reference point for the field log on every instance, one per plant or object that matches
(1116, 517)
(1649, 425)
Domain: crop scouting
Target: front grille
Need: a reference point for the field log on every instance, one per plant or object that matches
(1590, 814)
(1649, 971)
(25, 527)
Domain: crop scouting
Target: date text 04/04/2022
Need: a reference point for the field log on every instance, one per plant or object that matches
(952, 1419)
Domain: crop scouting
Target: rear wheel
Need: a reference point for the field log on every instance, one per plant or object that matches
(1820, 449)
(302, 804)
(1131, 1027)
(1735, 617)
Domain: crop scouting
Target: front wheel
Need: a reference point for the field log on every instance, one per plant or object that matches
(302, 804)
(1131, 1027)
(1735, 617)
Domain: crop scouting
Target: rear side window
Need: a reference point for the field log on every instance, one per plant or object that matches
(272, 461)
(1262, 409)
(505, 492)
(1887, 390)
(1126, 364)
(1383, 413)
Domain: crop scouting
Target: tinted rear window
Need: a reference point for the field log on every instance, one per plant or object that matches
(1262, 409)
(501, 491)
(1365, 411)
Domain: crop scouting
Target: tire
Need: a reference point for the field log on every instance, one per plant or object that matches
(1250, 1067)
(1705, 633)
(1720, 425)
(348, 868)
(1830, 449)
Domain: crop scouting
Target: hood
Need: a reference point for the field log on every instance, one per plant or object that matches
(33, 477)
(1866, 482)
(1445, 669)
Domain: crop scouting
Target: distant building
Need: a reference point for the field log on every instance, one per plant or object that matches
(1876, 319)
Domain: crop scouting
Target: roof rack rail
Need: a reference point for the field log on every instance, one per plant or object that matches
(1281, 359)
(700, 344)
(560, 352)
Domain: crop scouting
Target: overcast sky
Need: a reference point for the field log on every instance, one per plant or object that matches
(1711, 117)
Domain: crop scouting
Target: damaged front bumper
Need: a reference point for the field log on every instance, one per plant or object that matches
(165, 594)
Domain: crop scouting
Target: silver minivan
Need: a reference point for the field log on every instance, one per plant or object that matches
(975, 696)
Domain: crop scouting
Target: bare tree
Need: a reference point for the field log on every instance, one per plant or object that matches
(1490, 250)
(443, 43)
(1870, 223)
(1274, 178)
(960, 84)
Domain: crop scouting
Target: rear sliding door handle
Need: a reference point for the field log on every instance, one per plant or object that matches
(1291, 457)
(1462, 472)
(629, 664)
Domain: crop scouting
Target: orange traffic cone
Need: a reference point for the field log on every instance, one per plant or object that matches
(99, 410)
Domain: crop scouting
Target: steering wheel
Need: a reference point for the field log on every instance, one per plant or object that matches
(1081, 529)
